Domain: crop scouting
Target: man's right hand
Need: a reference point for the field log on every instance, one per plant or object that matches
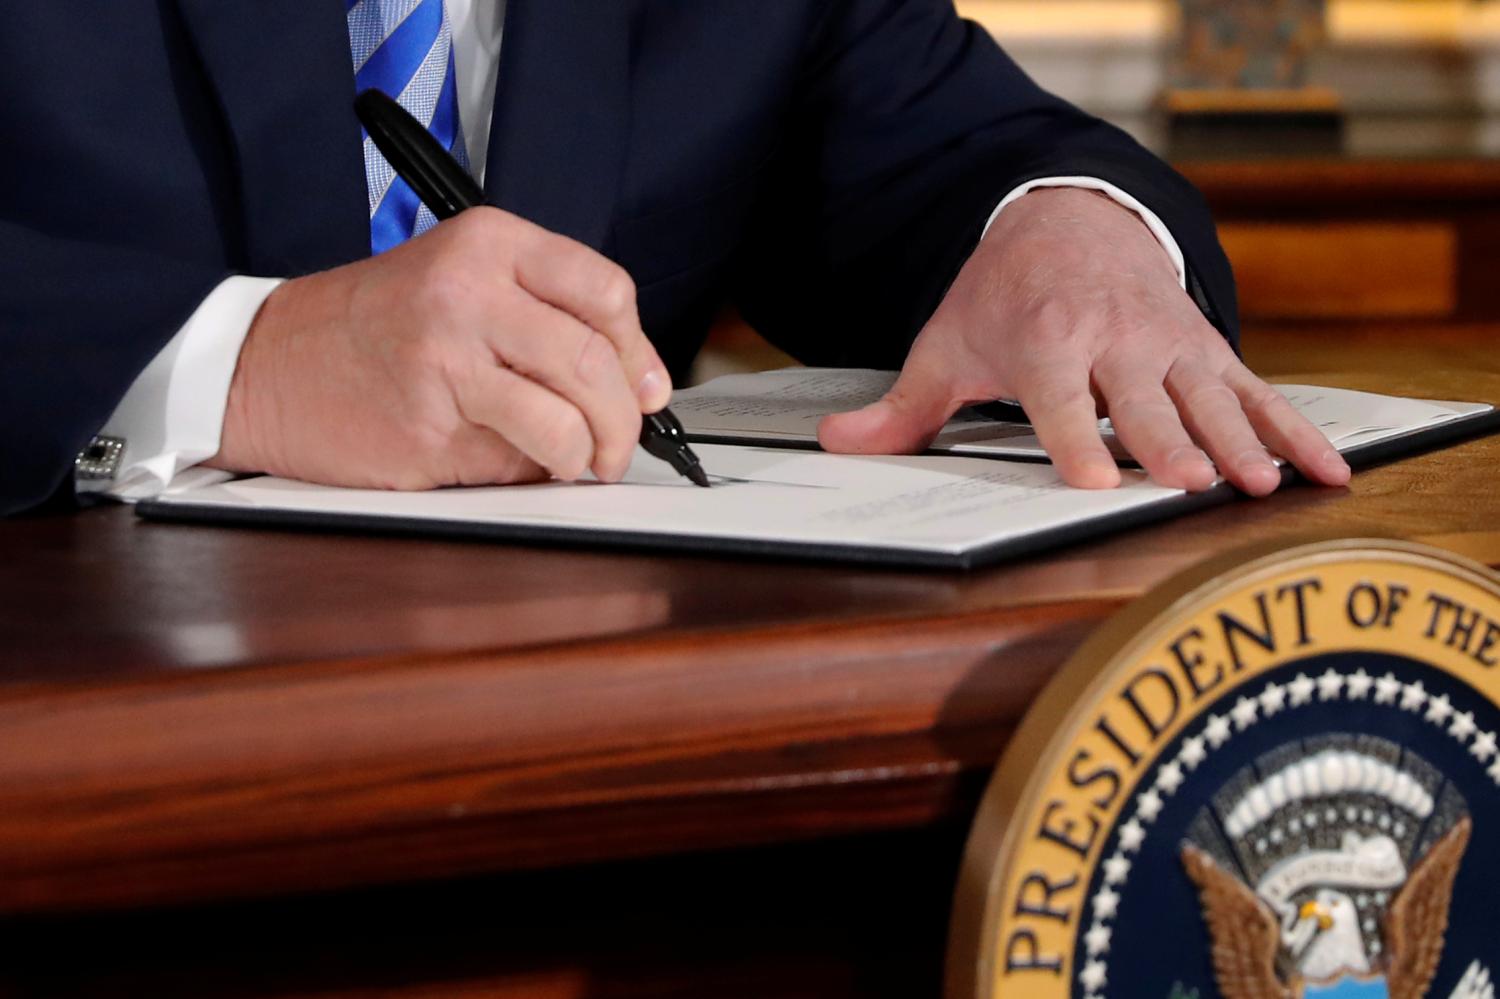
(487, 350)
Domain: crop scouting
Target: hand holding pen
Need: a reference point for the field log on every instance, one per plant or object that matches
(486, 351)
(447, 189)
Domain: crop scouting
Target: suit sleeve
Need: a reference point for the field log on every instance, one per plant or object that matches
(78, 322)
(910, 126)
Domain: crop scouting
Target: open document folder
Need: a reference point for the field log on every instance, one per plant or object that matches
(783, 408)
(928, 510)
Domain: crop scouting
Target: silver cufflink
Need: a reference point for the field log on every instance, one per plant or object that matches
(100, 461)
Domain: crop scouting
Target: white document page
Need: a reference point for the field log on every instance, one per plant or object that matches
(1352, 419)
(786, 405)
(933, 504)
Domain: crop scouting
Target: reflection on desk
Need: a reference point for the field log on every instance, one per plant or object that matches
(196, 713)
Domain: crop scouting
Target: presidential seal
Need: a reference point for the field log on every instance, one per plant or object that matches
(1276, 777)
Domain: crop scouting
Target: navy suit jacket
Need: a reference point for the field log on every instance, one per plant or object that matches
(827, 165)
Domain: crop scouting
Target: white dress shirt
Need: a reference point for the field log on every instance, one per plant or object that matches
(172, 417)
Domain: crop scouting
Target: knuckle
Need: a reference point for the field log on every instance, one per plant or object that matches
(444, 292)
(595, 355)
(1054, 317)
(1212, 395)
(466, 232)
(1135, 401)
(1262, 398)
(1050, 396)
(1206, 337)
(1116, 365)
(484, 222)
(616, 290)
(481, 234)
(421, 351)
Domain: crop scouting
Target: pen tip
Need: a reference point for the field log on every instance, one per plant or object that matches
(699, 477)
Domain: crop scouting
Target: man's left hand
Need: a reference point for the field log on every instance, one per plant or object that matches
(1071, 307)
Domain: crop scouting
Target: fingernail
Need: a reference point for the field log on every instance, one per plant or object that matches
(1258, 472)
(653, 391)
(1334, 462)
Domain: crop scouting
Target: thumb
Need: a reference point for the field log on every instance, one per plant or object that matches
(903, 421)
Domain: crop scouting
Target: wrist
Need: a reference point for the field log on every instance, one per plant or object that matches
(1091, 217)
(250, 430)
(1095, 211)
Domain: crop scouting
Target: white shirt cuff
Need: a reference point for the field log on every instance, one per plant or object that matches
(1155, 224)
(172, 416)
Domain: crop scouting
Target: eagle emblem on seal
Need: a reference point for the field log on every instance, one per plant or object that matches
(1328, 874)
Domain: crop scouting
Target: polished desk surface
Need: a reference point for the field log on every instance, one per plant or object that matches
(192, 712)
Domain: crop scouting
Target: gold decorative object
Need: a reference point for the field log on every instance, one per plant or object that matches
(1254, 44)
(1275, 776)
(1239, 77)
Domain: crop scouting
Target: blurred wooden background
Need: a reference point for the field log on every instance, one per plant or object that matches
(1395, 217)
(1372, 264)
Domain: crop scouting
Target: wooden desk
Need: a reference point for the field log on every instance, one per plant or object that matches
(193, 713)
(1359, 239)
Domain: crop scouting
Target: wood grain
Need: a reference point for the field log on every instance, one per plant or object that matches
(1315, 197)
(1345, 270)
(194, 713)
(1312, 188)
(320, 777)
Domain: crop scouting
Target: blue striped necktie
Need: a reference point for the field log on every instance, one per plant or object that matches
(404, 48)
